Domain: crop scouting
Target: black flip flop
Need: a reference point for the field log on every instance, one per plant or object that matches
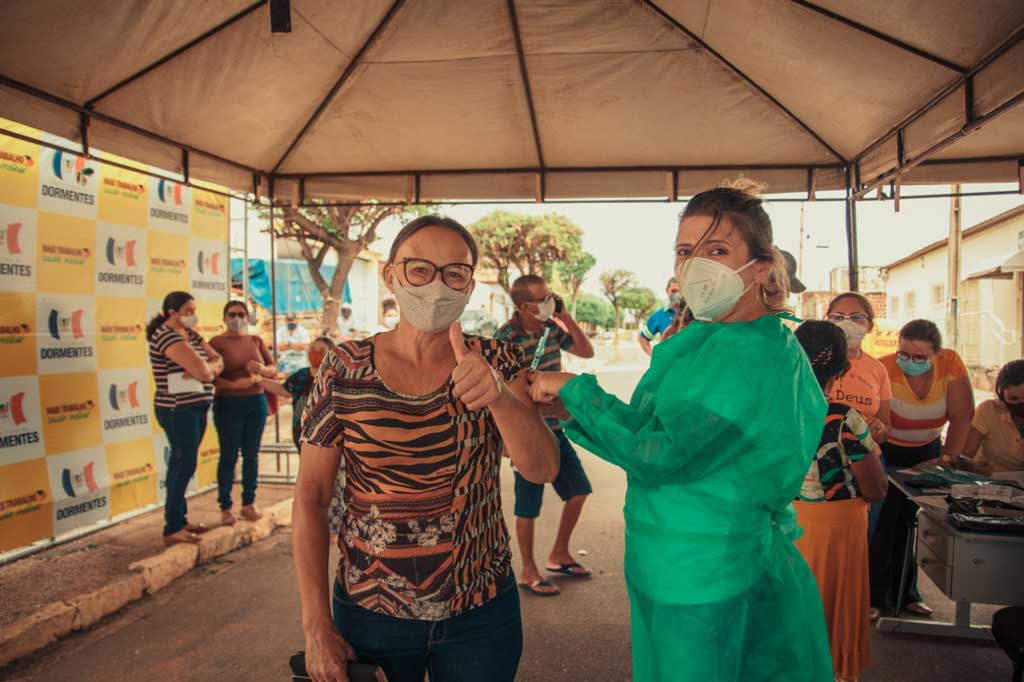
(566, 569)
(532, 587)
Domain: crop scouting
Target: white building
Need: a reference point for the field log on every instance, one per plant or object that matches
(989, 311)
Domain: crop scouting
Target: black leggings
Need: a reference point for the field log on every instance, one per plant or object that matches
(888, 549)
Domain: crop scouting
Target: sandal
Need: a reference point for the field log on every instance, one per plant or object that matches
(251, 513)
(197, 528)
(532, 587)
(580, 571)
(182, 536)
(919, 608)
(874, 614)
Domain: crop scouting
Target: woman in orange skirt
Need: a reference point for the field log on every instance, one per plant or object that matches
(845, 476)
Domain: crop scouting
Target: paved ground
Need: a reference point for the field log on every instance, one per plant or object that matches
(238, 619)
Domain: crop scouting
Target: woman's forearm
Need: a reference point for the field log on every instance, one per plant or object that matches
(956, 436)
(310, 551)
(529, 441)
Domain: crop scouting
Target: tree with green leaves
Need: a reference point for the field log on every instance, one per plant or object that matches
(594, 310)
(515, 244)
(640, 301)
(343, 230)
(613, 285)
(572, 271)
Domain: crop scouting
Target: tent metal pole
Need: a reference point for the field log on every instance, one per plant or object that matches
(567, 169)
(273, 297)
(881, 36)
(521, 55)
(735, 69)
(851, 233)
(171, 55)
(345, 75)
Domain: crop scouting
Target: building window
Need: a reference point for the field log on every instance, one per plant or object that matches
(910, 300)
(894, 306)
(938, 294)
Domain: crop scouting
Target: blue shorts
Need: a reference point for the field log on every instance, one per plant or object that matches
(572, 482)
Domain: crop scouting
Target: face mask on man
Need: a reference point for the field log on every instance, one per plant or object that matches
(854, 331)
(292, 326)
(237, 324)
(546, 310)
(432, 307)
(710, 288)
(391, 320)
(675, 299)
(316, 357)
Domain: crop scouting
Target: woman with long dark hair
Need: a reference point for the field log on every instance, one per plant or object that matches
(240, 408)
(716, 442)
(184, 368)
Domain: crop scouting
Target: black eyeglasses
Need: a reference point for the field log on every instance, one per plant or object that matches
(419, 272)
(916, 359)
(239, 314)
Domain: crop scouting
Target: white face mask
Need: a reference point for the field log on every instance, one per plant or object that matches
(188, 321)
(546, 310)
(432, 307)
(710, 289)
(391, 320)
(236, 324)
(855, 333)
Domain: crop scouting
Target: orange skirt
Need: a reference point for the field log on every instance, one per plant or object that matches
(835, 546)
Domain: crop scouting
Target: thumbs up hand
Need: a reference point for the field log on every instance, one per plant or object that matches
(475, 383)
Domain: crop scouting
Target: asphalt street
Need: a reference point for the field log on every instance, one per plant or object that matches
(238, 619)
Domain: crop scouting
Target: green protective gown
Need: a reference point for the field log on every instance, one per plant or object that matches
(715, 442)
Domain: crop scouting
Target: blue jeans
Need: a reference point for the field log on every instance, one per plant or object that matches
(571, 482)
(184, 427)
(481, 645)
(240, 421)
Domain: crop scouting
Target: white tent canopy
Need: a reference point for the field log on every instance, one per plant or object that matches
(417, 100)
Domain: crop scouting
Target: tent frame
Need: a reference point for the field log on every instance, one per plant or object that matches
(856, 188)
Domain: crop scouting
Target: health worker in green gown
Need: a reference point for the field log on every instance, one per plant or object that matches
(715, 443)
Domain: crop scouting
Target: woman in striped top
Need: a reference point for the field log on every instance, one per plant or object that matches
(184, 367)
(420, 417)
(930, 388)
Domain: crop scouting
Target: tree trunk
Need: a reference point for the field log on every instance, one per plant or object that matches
(336, 290)
(618, 319)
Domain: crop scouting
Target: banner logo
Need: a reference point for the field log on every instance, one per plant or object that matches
(14, 409)
(9, 236)
(73, 484)
(67, 166)
(124, 397)
(123, 255)
(169, 193)
(208, 264)
(63, 326)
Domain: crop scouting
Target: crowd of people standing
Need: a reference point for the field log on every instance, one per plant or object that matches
(761, 535)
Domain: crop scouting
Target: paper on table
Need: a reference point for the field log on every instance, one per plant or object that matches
(937, 501)
(177, 383)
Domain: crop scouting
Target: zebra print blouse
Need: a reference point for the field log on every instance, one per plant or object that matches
(422, 535)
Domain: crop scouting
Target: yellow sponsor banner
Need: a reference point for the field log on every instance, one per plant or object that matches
(122, 197)
(211, 318)
(121, 332)
(166, 263)
(26, 504)
(71, 411)
(17, 333)
(66, 254)
(209, 215)
(19, 166)
(882, 340)
(133, 475)
(209, 455)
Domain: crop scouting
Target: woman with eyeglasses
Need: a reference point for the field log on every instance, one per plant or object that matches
(866, 386)
(240, 409)
(421, 416)
(930, 389)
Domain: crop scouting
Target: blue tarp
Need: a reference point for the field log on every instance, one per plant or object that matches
(296, 292)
